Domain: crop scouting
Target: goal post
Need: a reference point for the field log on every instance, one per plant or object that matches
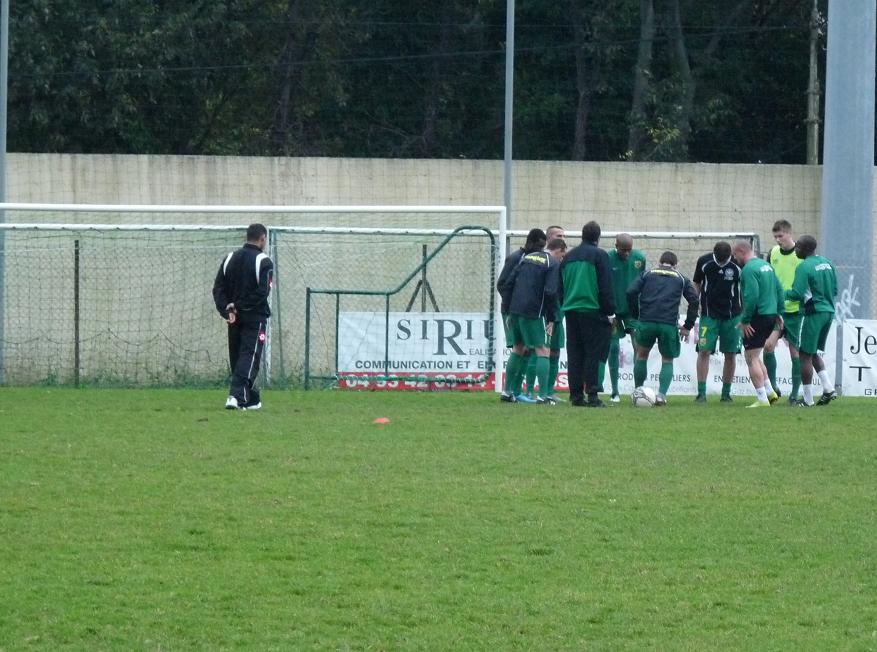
(110, 324)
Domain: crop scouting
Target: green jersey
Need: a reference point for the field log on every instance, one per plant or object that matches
(760, 290)
(785, 263)
(623, 274)
(815, 284)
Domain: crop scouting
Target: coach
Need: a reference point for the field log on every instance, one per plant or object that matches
(240, 292)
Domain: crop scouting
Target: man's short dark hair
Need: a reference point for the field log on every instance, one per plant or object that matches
(806, 244)
(668, 258)
(535, 240)
(557, 243)
(591, 232)
(722, 251)
(782, 225)
(256, 231)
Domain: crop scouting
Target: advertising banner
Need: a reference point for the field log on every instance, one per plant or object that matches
(860, 358)
(435, 350)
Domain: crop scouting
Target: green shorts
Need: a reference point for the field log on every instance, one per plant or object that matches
(723, 331)
(507, 327)
(792, 328)
(624, 324)
(814, 332)
(667, 336)
(527, 330)
(558, 337)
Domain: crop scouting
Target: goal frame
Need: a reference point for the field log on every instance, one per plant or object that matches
(500, 232)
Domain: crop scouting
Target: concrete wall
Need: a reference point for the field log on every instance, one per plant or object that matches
(622, 196)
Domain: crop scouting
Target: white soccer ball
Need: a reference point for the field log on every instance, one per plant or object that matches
(643, 397)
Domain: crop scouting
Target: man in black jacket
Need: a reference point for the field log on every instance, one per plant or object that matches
(517, 362)
(240, 293)
(533, 289)
(654, 299)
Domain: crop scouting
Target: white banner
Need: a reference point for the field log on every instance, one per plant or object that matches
(412, 343)
(860, 358)
(454, 345)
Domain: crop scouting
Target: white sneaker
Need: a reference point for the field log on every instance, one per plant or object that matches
(254, 406)
(231, 403)
(615, 398)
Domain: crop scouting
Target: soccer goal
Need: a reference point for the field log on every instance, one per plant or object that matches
(120, 295)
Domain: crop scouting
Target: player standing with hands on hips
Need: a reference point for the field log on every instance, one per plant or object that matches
(240, 293)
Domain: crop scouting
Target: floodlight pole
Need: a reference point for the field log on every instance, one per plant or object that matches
(509, 108)
(848, 157)
(813, 89)
(506, 217)
(4, 85)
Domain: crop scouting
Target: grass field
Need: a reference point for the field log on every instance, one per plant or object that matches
(156, 520)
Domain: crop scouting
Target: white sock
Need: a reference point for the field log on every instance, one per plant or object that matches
(827, 385)
(808, 394)
(762, 394)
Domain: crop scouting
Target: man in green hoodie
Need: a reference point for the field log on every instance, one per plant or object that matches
(589, 311)
(763, 300)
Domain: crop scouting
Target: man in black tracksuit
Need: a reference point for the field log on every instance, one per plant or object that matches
(240, 293)
(589, 308)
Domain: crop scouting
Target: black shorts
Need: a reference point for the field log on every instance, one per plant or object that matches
(763, 325)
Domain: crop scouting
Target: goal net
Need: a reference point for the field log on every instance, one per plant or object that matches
(121, 296)
(390, 297)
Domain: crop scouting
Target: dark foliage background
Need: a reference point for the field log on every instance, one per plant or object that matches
(664, 80)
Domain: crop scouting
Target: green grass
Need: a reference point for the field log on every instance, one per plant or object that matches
(156, 520)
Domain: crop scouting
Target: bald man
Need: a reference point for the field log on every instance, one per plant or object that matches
(763, 299)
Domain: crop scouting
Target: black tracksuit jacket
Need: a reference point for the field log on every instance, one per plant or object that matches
(244, 279)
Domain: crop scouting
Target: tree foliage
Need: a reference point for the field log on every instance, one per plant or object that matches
(672, 80)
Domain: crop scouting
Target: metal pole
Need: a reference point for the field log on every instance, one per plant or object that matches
(813, 90)
(77, 359)
(509, 106)
(4, 79)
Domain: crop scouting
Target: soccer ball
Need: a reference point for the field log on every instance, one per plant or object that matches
(643, 397)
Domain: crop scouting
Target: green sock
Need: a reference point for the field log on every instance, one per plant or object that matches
(770, 362)
(553, 368)
(519, 376)
(701, 388)
(640, 370)
(726, 390)
(542, 373)
(512, 370)
(796, 377)
(530, 375)
(665, 378)
(614, 349)
(601, 375)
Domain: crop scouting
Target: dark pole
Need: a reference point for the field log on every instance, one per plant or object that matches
(76, 336)
(4, 79)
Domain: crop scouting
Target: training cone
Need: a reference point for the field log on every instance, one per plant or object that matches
(381, 420)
